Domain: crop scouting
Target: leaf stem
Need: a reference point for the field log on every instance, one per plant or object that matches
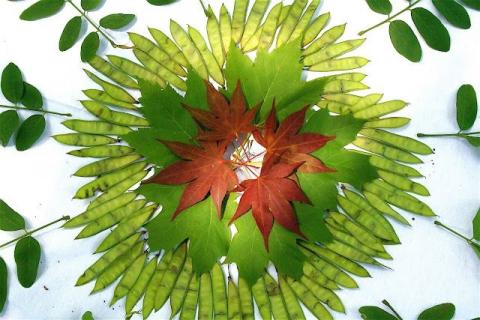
(98, 28)
(389, 306)
(458, 234)
(35, 110)
(390, 18)
(459, 134)
(29, 233)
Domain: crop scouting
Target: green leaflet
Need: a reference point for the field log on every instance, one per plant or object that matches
(70, 33)
(42, 9)
(431, 29)
(116, 21)
(89, 5)
(405, 41)
(10, 220)
(454, 12)
(466, 107)
(312, 223)
(3, 283)
(373, 313)
(380, 6)
(90, 46)
(9, 121)
(27, 257)
(29, 132)
(32, 98)
(12, 83)
(444, 311)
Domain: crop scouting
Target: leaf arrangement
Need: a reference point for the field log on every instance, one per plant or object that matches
(176, 254)
(25, 97)
(467, 108)
(444, 311)
(27, 250)
(72, 31)
(428, 25)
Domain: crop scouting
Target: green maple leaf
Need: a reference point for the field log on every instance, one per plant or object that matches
(196, 94)
(285, 253)
(209, 237)
(320, 188)
(312, 222)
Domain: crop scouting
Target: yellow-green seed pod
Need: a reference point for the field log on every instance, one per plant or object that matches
(106, 260)
(150, 292)
(275, 296)
(234, 311)
(310, 271)
(332, 51)
(367, 101)
(392, 166)
(341, 64)
(284, 14)
(154, 52)
(110, 219)
(380, 109)
(180, 289)
(215, 37)
(117, 268)
(254, 19)
(205, 305)
(225, 29)
(140, 285)
(294, 309)
(310, 301)
(269, 28)
(112, 90)
(106, 165)
(167, 45)
(238, 19)
(349, 254)
(160, 70)
(100, 210)
(252, 43)
(190, 50)
(126, 228)
(104, 67)
(220, 309)
(395, 140)
(170, 277)
(328, 37)
(261, 298)
(403, 183)
(315, 28)
(393, 122)
(103, 97)
(189, 307)
(333, 106)
(352, 76)
(108, 180)
(135, 70)
(383, 207)
(325, 295)
(246, 300)
(96, 127)
(128, 280)
(291, 21)
(304, 21)
(207, 56)
(348, 239)
(83, 140)
(343, 86)
(386, 151)
(102, 151)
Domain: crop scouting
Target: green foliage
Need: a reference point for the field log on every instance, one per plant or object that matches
(160, 2)
(89, 47)
(10, 220)
(375, 313)
(70, 33)
(455, 13)
(116, 21)
(405, 41)
(90, 5)
(444, 311)
(3, 283)
(431, 29)
(87, 316)
(12, 83)
(30, 131)
(380, 6)
(145, 141)
(27, 257)
(9, 121)
(32, 98)
(42, 9)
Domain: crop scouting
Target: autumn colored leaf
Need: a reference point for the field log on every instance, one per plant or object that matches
(287, 145)
(269, 197)
(203, 168)
(225, 121)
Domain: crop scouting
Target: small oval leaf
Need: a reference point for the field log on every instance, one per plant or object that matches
(405, 41)
(32, 98)
(89, 5)
(380, 6)
(444, 311)
(10, 220)
(454, 12)
(29, 132)
(8, 124)
(12, 83)
(375, 313)
(42, 9)
(466, 106)
(160, 2)
(27, 257)
(87, 316)
(70, 33)
(474, 141)
(116, 20)
(432, 29)
(474, 4)
(3, 283)
(89, 46)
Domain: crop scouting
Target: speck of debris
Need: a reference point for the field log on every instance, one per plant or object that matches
(46, 288)
(104, 301)
(433, 149)
(413, 218)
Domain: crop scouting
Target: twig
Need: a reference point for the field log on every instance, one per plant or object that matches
(35, 110)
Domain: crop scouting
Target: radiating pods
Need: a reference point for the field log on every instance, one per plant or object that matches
(387, 151)
(215, 38)
(102, 97)
(246, 300)
(394, 167)
(211, 63)
(170, 277)
(327, 296)
(288, 26)
(310, 301)
(106, 165)
(260, 295)
(205, 304)
(220, 307)
(108, 70)
(180, 289)
(340, 64)
(95, 127)
(269, 28)
(275, 296)
(111, 89)
(135, 70)
(102, 151)
(128, 279)
(138, 289)
(121, 118)
(83, 140)
(166, 44)
(189, 307)
(314, 29)
(234, 311)
(151, 290)
(238, 19)
(294, 308)
(398, 141)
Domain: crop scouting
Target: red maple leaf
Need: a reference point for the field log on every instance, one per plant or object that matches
(225, 121)
(269, 196)
(287, 145)
(203, 168)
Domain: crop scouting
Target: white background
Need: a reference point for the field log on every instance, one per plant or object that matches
(430, 267)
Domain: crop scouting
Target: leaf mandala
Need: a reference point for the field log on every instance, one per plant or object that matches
(245, 159)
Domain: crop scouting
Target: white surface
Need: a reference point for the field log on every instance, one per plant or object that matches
(430, 267)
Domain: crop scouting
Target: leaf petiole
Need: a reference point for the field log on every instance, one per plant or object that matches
(29, 233)
(390, 18)
(35, 110)
(389, 306)
(460, 134)
(438, 223)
